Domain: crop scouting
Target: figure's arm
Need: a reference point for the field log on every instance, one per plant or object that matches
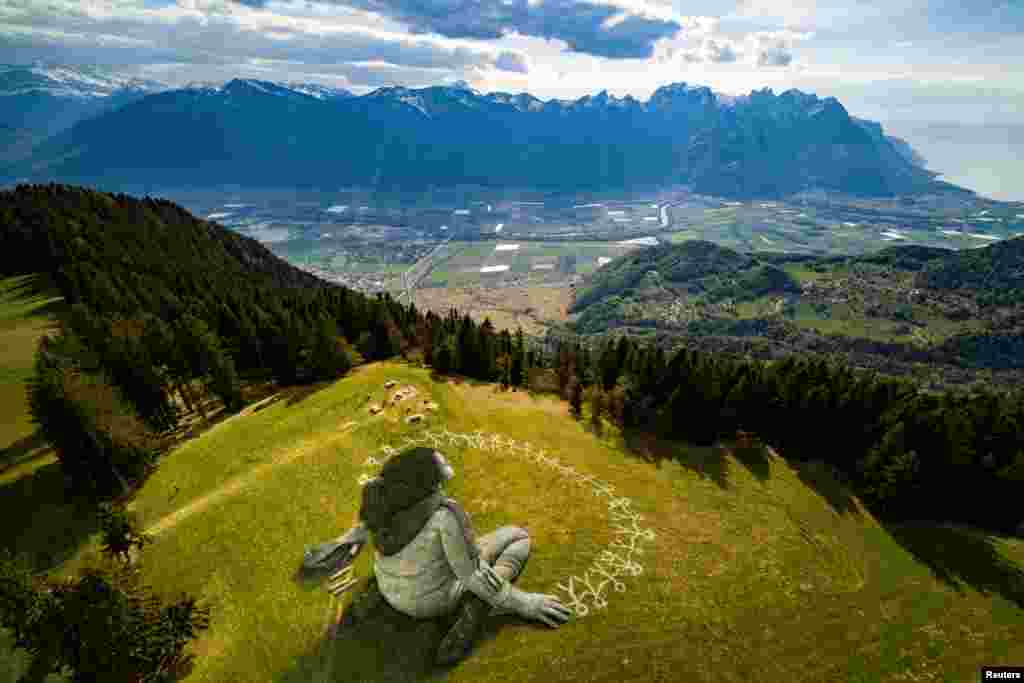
(474, 574)
(358, 535)
(493, 589)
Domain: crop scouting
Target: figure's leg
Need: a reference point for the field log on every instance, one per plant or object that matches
(506, 549)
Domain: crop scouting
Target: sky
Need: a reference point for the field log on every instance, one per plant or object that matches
(895, 61)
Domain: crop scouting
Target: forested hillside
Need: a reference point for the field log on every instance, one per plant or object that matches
(166, 309)
(902, 310)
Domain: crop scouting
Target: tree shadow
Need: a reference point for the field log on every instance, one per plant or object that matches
(25, 449)
(707, 461)
(710, 462)
(58, 524)
(296, 394)
(960, 556)
(829, 484)
(458, 380)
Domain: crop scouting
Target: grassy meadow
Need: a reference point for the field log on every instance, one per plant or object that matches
(27, 305)
(758, 570)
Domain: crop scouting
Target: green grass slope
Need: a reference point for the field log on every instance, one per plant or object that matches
(27, 305)
(756, 570)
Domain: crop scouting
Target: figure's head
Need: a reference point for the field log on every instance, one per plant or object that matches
(405, 479)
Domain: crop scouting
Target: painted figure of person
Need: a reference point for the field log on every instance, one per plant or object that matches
(427, 562)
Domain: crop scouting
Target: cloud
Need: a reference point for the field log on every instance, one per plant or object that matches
(711, 51)
(616, 29)
(774, 56)
(773, 48)
(213, 32)
(511, 61)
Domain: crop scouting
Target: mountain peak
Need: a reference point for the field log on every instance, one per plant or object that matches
(61, 80)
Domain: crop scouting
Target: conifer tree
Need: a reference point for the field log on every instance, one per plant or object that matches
(98, 442)
(575, 398)
(488, 349)
(518, 368)
(119, 533)
(329, 359)
(597, 406)
(444, 356)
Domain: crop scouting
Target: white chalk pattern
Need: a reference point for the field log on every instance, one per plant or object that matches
(612, 564)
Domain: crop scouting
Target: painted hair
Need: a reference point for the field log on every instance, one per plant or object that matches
(405, 480)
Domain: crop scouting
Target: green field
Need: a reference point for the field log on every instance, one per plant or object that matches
(462, 266)
(757, 570)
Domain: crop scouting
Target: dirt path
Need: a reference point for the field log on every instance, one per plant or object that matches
(237, 484)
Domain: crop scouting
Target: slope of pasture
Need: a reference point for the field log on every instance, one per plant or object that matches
(27, 303)
(757, 570)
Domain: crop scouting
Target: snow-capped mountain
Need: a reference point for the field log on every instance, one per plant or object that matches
(41, 100)
(321, 92)
(263, 133)
(65, 81)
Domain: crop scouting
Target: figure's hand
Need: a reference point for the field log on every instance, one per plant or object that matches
(357, 535)
(546, 609)
(490, 576)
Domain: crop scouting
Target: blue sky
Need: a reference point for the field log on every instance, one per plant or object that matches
(894, 60)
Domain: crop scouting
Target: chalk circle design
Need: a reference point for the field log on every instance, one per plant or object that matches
(617, 560)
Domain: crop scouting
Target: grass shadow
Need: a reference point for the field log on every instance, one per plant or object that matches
(57, 526)
(960, 556)
(25, 449)
(708, 462)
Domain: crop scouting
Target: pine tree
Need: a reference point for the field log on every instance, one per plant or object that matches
(98, 441)
(519, 368)
(597, 406)
(98, 622)
(444, 356)
(890, 467)
(488, 349)
(329, 359)
(119, 533)
(575, 398)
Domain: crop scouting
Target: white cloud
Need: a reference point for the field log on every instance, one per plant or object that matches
(205, 32)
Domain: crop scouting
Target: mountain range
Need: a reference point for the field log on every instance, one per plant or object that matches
(257, 133)
(38, 101)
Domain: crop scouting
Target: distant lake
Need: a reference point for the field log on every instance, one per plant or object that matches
(986, 159)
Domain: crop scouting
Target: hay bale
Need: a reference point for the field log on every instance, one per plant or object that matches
(375, 408)
(413, 419)
(390, 383)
